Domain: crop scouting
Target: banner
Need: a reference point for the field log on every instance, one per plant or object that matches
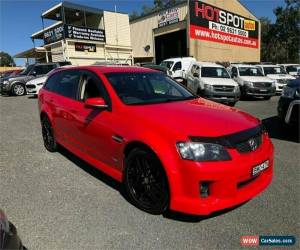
(73, 32)
(214, 24)
(168, 16)
(85, 47)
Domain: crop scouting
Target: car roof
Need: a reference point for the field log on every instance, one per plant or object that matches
(209, 64)
(179, 59)
(244, 65)
(268, 65)
(108, 69)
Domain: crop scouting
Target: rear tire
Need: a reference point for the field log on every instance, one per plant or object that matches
(18, 89)
(48, 135)
(231, 104)
(145, 181)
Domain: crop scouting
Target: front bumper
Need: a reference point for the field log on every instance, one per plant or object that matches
(5, 88)
(230, 182)
(279, 87)
(255, 91)
(222, 97)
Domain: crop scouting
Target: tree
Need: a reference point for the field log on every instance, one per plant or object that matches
(6, 59)
(280, 40)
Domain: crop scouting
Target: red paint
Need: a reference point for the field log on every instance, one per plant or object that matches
(160, 126)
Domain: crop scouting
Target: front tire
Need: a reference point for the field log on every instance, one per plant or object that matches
(48, 135)
(145, 181)
(18, 89)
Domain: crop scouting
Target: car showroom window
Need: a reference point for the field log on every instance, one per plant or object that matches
(177, 66)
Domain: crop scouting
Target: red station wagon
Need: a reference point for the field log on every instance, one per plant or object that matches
(170, 149)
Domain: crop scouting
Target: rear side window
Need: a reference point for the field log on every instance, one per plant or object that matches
(64, 83)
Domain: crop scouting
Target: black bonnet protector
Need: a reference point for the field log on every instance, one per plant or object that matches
(232, 140)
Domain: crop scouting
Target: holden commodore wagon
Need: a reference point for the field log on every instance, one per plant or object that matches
(170, 148)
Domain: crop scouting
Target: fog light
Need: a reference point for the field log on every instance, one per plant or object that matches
(204, 189)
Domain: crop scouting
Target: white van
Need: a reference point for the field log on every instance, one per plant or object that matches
(252, 81)
(213, 82)
(276, 73)
(178, 67)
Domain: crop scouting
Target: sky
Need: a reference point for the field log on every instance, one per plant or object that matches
(20, 18)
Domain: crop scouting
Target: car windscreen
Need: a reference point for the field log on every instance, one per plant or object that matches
(214, 72)
(273, 70)
(137, 88)
(250, 71)
(27, 70)
(167, 64)
(292, 68)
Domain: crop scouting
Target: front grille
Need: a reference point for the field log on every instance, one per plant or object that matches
(30, 86)
(245, 141)
(223, 88)
(262, 84)
(250, 145)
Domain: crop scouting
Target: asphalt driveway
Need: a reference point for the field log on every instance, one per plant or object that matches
(57, 201)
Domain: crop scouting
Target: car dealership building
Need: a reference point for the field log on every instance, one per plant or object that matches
(82, 35)
(209, 30)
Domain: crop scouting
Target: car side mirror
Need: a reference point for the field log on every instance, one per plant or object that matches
(33, 73)
(95, 102)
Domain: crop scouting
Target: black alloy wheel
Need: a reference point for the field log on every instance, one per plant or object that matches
(48, 135)
(146, 182)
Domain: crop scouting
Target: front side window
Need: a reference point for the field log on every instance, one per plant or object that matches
(146, 88)
(167, 64)
(250, 71)
(177, 66)
(214, 72)
(274, 70)
(27, 70)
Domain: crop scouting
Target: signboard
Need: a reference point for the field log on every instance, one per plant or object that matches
(168, 16)
(211, 23)
(85, 47)
(83, 33)
(54, 35)
(73, 32)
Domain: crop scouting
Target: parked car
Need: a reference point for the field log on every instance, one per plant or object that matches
(291, 69)
(252, 81)
(10, 73)
(168, 147)
(9, 238)
(213, 82)
(289, 102)
(277, 74)
(178, 67)
(33, 86)
(157, 67)
(16, 85)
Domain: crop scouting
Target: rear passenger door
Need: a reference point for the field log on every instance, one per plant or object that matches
(62, 100)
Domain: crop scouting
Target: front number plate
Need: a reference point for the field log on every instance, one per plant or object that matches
(257, 169)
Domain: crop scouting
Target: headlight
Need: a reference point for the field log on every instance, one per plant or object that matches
(288, 92)
(236, 88)
(5, 82)
(208, 87)
(40, 83)
(250, 84)
(197, 151)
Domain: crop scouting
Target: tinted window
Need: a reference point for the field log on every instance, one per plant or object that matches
(214, 72)
(234, 72)
(250, 71)
(177, 66)
(145, 88)
(273, 70)
(43, 69)
(167, 64)
(64, 83)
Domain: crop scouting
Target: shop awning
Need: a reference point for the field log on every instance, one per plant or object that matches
(36, 52)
